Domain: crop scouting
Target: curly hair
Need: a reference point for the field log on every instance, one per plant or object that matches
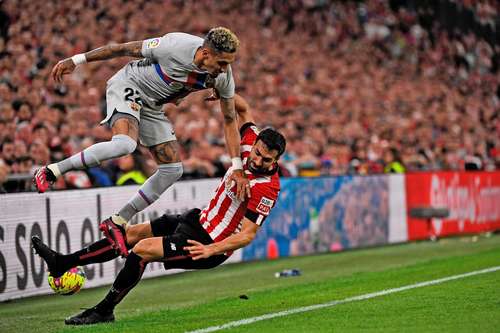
(221, 39)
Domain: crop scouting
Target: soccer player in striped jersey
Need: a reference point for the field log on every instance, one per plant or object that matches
(170, 68)
(197, 239)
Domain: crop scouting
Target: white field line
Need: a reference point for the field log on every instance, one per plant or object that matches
(346, 300)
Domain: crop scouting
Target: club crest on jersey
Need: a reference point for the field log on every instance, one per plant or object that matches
(265, 205)
(135, 106)
(153, 43)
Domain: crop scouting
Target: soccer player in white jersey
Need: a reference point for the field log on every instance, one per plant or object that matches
(170, 68)
(198, 239)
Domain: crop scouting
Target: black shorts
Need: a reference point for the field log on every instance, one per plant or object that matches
(176, 230)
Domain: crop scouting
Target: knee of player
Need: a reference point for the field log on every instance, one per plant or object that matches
(133, 234)
(124, 143)
(174, 170)
(147, 249)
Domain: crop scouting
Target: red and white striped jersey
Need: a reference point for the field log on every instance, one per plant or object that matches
(224, 214)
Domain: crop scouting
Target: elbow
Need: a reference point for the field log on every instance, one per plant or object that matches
(249, 237)
(240, 105)
(242, 114)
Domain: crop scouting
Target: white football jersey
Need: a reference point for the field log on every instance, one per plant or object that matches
(167, 72)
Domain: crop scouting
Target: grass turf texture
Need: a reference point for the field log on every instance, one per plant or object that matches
(194, 300)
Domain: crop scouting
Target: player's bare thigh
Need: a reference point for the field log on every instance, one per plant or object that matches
(138, 232)
(167, 152)
(126, 126)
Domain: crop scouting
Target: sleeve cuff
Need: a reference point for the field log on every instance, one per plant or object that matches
(255, 217)
(244, 127)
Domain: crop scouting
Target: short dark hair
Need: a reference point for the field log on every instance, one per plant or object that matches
(273, 140)
(221, 39)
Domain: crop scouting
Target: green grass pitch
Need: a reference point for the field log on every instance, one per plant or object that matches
(195, 300)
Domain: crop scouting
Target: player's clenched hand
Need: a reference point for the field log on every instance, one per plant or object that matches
(65, 66)
(242, 184)
(198, 250)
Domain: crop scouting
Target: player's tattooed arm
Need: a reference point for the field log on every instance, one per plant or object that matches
(228, 109)
(66, 66)
(230, 127)
(241, 106)
(132, 49)
(243, 111)
(232, 136)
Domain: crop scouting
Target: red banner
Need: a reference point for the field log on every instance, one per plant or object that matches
(473, 200)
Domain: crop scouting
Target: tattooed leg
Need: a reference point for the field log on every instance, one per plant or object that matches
(169, 170)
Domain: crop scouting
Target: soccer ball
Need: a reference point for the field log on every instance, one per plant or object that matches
(69, 283)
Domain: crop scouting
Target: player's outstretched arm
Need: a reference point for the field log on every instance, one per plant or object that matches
(241, 106)
(243, 110)
(248, 231)
(233, 146)
(66, 66)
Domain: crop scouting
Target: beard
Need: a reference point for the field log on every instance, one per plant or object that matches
(260, 170)
(253, 168)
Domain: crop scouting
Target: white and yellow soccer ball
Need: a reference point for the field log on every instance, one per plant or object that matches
(69, 283)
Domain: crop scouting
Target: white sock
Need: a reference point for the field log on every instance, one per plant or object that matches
(55, 169)
(118, 220)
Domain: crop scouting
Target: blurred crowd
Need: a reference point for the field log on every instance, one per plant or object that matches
(355, 86)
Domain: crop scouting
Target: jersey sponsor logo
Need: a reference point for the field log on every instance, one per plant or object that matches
(228, 188)
(153, 43)
(265, 205)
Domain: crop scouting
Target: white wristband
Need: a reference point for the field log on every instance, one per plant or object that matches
(237, 164)
(79, 59)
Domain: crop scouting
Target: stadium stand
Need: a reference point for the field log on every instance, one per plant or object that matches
(357, 87)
